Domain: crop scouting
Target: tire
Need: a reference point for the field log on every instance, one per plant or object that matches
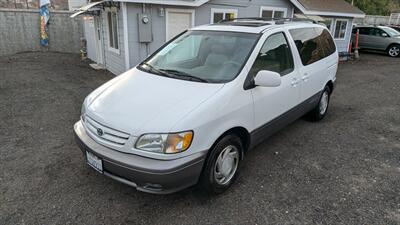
(319, 112)
(210, 182)
(393, 50)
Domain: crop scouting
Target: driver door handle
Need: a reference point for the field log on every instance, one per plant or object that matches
(305, 77)
(295, 82)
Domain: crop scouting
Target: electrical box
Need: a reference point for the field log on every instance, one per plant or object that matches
(145, 28)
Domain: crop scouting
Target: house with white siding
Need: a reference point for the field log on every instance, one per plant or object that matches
(121, 33)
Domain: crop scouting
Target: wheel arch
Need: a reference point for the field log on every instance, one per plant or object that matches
(240, 132)
(392, 44)
(330, 85)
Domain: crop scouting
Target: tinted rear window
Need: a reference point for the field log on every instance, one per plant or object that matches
(326, 40)
(313, 44)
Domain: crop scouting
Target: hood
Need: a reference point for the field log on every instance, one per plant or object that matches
(137, 102)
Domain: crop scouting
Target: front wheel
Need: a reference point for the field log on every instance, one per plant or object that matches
(319, 112)
(394, 50)
(221, 167)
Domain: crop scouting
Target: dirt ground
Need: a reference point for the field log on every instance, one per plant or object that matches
(343, 170)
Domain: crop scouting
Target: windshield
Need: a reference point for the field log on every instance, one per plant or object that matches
(392, 32)
(202, 56)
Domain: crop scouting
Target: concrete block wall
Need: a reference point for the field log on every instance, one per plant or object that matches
(19, 31)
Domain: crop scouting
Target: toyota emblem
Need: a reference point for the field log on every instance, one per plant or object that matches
(100, 132)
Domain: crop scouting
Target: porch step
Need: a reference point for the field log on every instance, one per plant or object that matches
(97, 66)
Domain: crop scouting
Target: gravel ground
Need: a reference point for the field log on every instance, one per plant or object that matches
(343, 170)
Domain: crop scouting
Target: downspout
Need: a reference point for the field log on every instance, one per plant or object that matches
(126, 39)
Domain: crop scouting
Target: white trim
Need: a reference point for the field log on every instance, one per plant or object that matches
(195, 3)
(273, 9)
(126, 39)
(111, 49)
(222, 10)
(172, 10)
(322, 13)
(334, 29)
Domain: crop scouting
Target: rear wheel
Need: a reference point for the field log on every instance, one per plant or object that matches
(221, 167)
(394, 50)
(319, 112)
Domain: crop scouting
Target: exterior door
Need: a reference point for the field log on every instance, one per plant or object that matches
(99, 40)
(90, 35)
(177, 21)
(271, 102)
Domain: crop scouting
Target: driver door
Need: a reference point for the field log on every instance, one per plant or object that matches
(272, 102)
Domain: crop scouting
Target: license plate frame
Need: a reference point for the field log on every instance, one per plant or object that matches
(94, 162)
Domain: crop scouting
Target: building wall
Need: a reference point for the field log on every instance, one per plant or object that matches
(20, 31)
(245, 8)
(139, 51)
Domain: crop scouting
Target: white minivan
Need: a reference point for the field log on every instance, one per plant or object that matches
(190, 112)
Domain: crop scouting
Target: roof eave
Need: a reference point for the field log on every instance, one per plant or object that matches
(324, 13)
(195, 3)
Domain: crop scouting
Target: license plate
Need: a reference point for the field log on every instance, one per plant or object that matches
(94, 162)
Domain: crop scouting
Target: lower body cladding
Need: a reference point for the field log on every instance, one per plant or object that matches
(145, 174)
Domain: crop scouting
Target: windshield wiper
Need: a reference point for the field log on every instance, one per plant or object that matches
(152, 69)
(182, 74)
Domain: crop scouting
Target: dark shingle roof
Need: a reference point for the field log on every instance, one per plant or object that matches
(339, 6)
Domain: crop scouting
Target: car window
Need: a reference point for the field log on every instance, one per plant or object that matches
(364, 30)
(392, 32)
(275, 55)
(204, 56)
(377, 32)
(325, 39)
(308, 44)
(187, 50)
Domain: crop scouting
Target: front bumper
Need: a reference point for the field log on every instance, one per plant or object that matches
(145, 174)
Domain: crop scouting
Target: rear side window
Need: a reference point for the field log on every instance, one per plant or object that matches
(275, 55)
(364, 30)
(313, 44)
(326, 40)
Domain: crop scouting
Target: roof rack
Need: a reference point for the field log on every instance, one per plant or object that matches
(268, 19)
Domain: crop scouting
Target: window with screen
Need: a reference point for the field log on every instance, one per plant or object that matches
(340, 29)
(275, 55)
(270, 12)
(112, 29)
(222, 14)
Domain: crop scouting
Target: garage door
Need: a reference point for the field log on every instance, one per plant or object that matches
(178, 21)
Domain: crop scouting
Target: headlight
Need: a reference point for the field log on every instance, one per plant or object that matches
(165, 143)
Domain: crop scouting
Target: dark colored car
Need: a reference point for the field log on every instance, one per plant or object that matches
(396, 27)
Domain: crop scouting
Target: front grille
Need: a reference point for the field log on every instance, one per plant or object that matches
(105, 133)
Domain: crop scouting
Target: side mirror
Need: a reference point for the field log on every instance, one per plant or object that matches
(385, 35)
(265, 78)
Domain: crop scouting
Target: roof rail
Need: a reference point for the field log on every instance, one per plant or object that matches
(269, 19)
